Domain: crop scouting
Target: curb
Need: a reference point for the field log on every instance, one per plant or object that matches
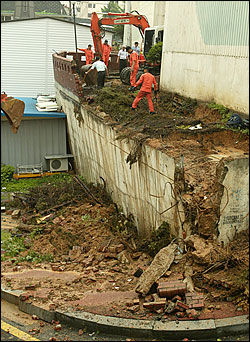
(175, 330)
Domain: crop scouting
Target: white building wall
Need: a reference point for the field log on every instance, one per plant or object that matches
(206, 51)
(26, 53)
(153, 10)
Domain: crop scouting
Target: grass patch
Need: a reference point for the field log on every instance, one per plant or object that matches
(12, 246)
(5, 235)
(26, 184)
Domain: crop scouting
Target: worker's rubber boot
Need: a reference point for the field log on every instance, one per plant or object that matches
(151, 112)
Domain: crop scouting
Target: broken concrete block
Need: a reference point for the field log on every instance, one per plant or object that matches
(16, 213)
(159, 266)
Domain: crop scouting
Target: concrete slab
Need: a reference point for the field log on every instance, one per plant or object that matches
(232, 325)
(185, 329)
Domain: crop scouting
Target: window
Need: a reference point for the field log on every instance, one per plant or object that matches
(93, 5)
(89, 15)
(89, 5)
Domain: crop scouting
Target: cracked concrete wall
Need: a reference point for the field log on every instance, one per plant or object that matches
(152, 189)
(145, 190)
(234, 207)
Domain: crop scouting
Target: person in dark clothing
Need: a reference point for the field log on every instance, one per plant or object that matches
(102, 71)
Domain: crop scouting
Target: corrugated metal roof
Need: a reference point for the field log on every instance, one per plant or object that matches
(31, 111)
(107, 28)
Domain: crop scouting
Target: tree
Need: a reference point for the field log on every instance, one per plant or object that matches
(115, 8)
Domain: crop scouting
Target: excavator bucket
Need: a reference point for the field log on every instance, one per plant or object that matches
(13, 110)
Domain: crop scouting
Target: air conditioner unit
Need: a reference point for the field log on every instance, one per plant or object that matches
(58, 162)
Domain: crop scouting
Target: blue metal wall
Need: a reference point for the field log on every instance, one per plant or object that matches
(35, 139)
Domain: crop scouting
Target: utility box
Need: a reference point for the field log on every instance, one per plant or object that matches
(58, 163)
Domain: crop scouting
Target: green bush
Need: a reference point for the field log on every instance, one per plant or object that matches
(154, 54)
(6, 174)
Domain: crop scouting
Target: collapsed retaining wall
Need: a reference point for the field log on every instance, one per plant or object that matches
(151, 190)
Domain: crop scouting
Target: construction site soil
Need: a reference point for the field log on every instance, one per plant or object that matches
(95, 248)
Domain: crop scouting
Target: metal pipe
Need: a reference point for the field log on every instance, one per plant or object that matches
(77, 60)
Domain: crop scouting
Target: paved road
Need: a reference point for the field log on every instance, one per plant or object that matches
(17, 326)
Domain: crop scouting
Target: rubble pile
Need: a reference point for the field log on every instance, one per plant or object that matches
(95, 250)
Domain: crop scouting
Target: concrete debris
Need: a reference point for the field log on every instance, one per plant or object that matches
(161, 263)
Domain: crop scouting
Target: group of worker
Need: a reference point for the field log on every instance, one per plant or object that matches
(125, 54)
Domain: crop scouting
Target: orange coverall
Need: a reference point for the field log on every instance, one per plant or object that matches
(147, 80)
(133, 57)
(89, 55)
(106, 52)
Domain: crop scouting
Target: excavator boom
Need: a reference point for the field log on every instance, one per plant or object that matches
(13, 110)
(120, 19)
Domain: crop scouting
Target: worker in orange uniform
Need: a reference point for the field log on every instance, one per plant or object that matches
(147, 81)
(134, 64)
(106, 48)
(89, 54)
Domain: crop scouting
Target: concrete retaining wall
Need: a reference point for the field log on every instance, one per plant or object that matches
(146, 190)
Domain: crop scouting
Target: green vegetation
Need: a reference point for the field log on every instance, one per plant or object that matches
(5, 235)
(184, 127)
(35, 257)
(225, 113)
(28, 183)
(160, 238)
(154, 54)
(13, 246)
(113, 7)
(6, 174)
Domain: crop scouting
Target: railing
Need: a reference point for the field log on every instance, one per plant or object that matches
(65, 70)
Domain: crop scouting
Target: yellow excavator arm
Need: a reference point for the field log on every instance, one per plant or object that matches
(13, 110)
